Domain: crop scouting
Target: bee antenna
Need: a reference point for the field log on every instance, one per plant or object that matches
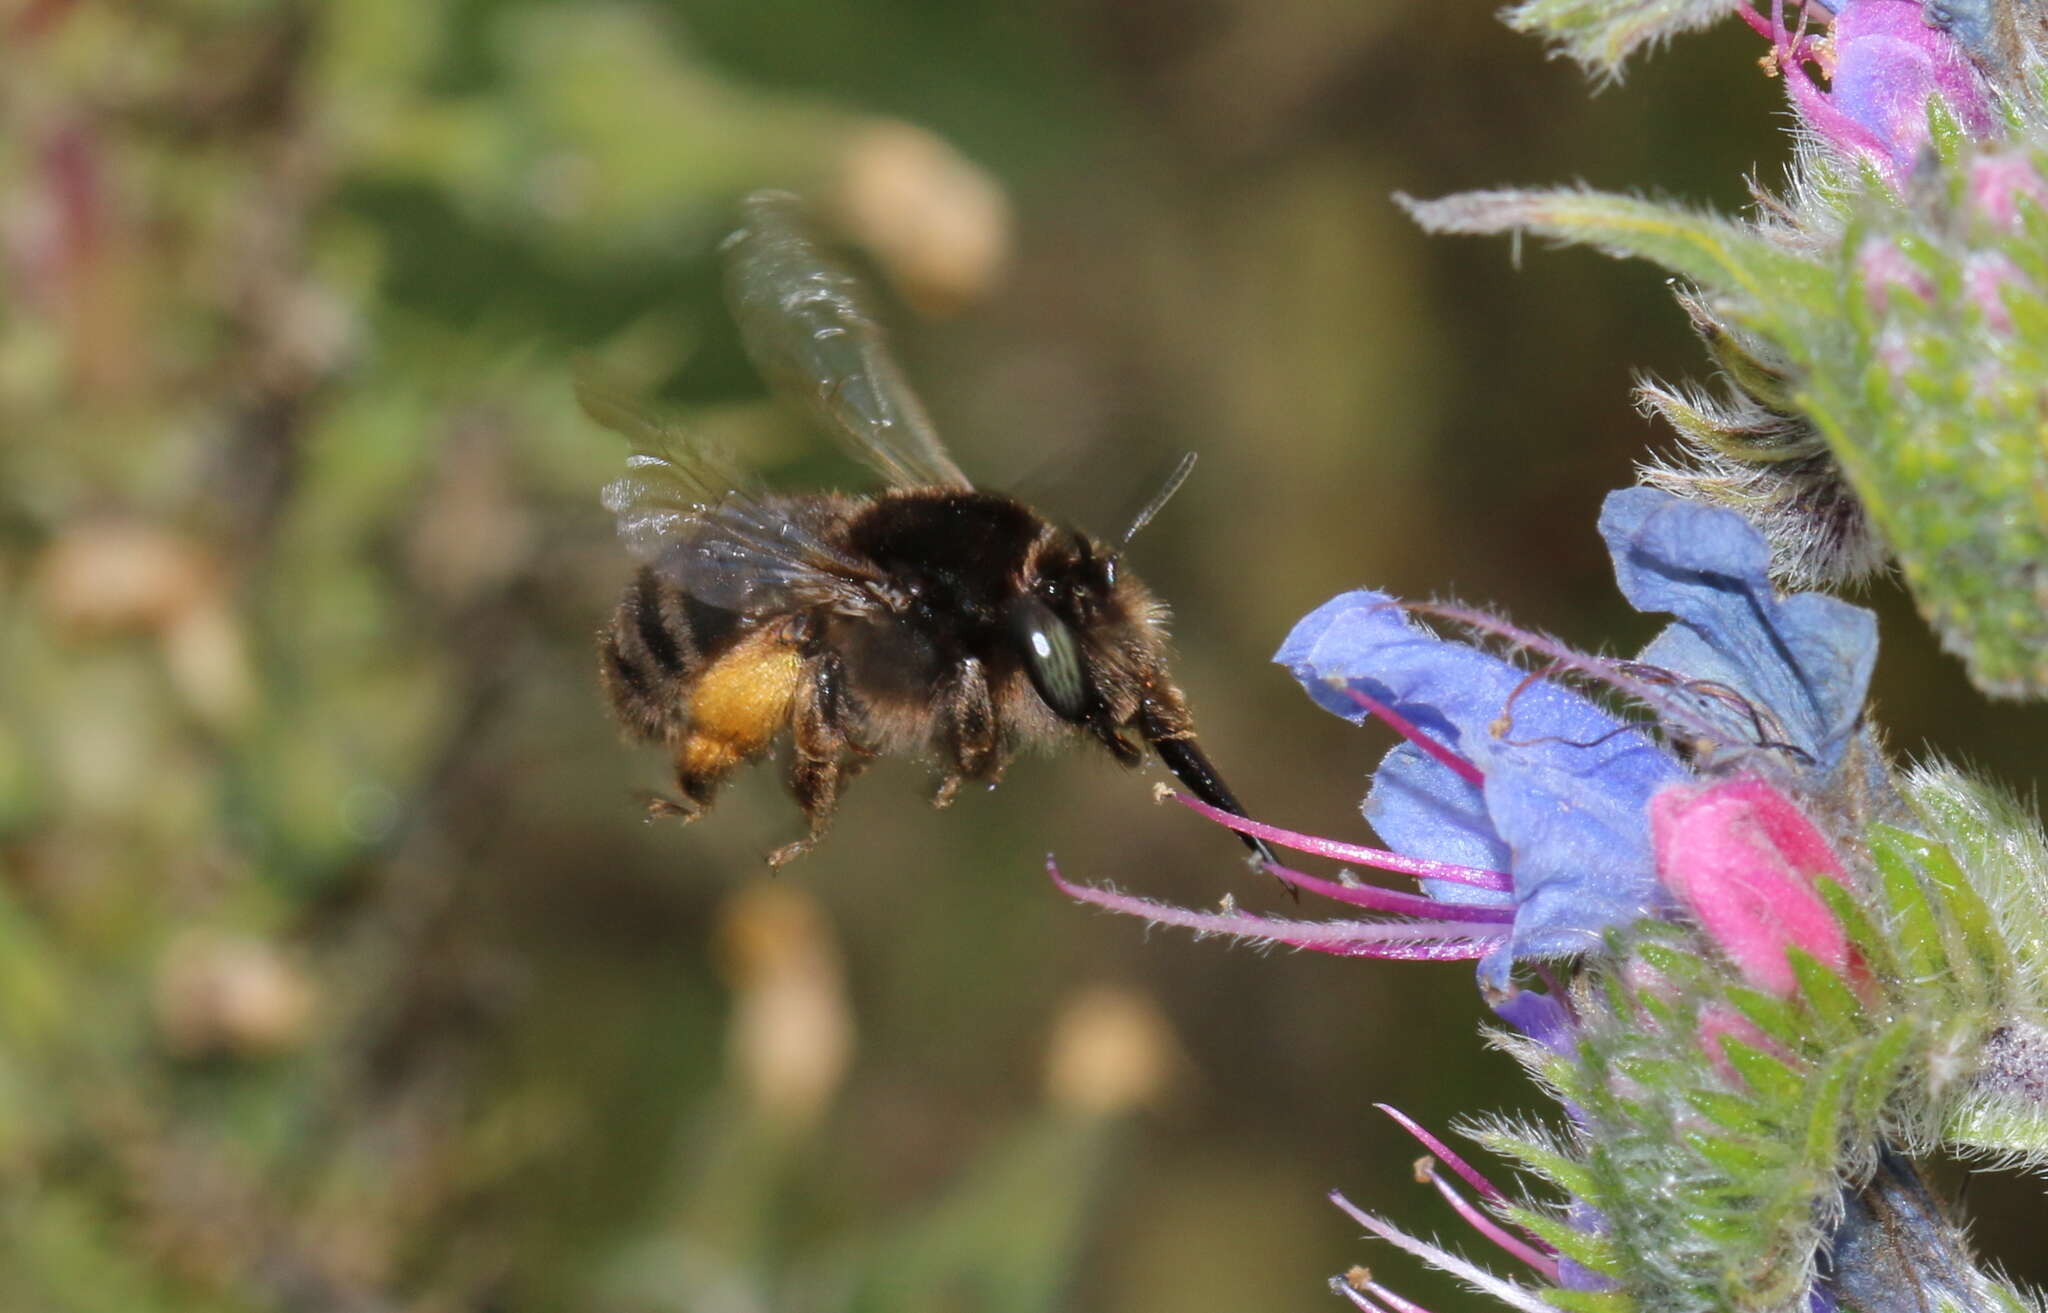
(1160, 498)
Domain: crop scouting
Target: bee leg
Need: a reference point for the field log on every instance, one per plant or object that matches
(701, 766)
(967, 733)
(818, 768)
(969, 719)
(839, 706)
(661, 807)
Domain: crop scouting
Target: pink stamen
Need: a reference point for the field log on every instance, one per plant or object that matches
(1506, 1291)
(1653, 696)
(1450, 1158)
(1359, 1287)
(1444, 1154)
(1401, 725)
(1393, 901)
(1417, 941)
(1399, 1303)
(1420, 868)
(1791, 47)
(1554, 987)
(1544, 1265)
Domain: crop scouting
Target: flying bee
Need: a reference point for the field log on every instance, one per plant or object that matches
(928, 618)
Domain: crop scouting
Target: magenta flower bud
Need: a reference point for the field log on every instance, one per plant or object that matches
(1882, 266)
(1985, 276)
(1998, 183)
(1744, 860)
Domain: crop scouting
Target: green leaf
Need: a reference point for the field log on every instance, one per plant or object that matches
(1916, 935)
(1590, 1301)
(1726, 257)
(1735, 1113)
(1875, 948)
(2000, 1125)
(1567, 1174)
(1981, 944)
(1768, 1076)
(1774, 1016)
(1830, 1098)
(1601, 35)
(1740, 1158)
(1836, 1011)
(1879, 1079)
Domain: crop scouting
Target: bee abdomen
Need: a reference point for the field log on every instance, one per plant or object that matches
(659, 642)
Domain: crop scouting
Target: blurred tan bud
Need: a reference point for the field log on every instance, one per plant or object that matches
(937, 223)
(792, 1031)
(110, 575)
(474, 536)
(209, 663)
(1111, 1051)
(234, 995)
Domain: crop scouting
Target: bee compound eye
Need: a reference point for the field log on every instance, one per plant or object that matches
(1052, 657)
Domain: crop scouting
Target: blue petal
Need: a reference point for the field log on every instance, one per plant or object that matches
(1569, 788)
(1804, 660)
(1566, 786)
(1367, 640)
(1540, 1016)
(1418, 807)
(1368, 637)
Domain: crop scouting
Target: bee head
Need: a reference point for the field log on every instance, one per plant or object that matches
(1088, 633)
(1070, 598)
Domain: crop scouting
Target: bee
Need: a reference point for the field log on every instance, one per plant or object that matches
(928, 618)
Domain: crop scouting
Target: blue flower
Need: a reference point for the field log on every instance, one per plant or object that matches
(1558, 791)
(1513, 771)
(1802, 662)
(1520, 804)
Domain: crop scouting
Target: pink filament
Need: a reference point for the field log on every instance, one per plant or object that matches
(1392, 901)
(1443, 1153)
(1772, 29)
(1420, 868)
(1396, 1302)
(1401, 725)
(1543, 1264)
(1363, 1298)
(1419, 941)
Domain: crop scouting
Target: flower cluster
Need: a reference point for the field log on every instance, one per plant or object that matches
(1763, 964)
(1881, 325)
(1523, 805)
(1759, 968)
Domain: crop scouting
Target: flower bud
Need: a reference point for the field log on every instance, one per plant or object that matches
(1998, 184)
(1882, 267)
(1744, 859)
(1986, 275)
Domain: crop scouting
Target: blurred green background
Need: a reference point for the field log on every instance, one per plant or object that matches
(337, 970)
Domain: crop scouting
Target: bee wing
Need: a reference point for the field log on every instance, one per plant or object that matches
(679, 510)
(803, 316)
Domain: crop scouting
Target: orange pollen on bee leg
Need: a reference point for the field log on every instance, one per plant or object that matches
(740, 703)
